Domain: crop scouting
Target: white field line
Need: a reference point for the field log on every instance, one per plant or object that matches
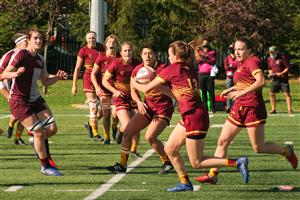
(116, 178)
(13, 188)
(197, 187)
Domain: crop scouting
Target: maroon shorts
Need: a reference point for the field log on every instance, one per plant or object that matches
(160, 112)
(196, 123)
(22, 110)
(124, 103)
(87, 82)
(248, 116)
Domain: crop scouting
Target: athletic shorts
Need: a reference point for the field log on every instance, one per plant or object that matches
(124, 103)
(196, 123)
(162, 113)
(22, 110)
(87, 83)
(277, 86)
(247, 116)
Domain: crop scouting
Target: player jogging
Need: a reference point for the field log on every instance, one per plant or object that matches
(248, 111)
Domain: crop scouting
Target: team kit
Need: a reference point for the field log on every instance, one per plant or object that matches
(113, 82)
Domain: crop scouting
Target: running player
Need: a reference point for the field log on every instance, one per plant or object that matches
(20, 41)
(87, 56)
(248, 111)
(155, 112)
(192, 129)
(25, 101)
(117, 80)
(100, 66)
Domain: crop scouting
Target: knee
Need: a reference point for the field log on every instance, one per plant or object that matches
(196, 164)
(170, 151)
(106, 114)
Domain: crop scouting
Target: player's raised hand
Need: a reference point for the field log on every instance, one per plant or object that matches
(61, 75)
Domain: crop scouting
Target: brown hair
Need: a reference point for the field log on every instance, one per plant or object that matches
(33, 30)
(248, 42)
(127, 43)
(181, 49)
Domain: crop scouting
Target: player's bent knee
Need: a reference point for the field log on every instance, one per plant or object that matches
(50, 125)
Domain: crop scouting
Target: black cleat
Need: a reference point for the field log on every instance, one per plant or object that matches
(9, 131)
(107, 141)
(89, 129)
(98, 138)
(117, 168)
(166, 168)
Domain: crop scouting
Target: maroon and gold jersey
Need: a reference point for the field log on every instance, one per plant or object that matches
(25, 86)
(103, 62)
(121, 74)
(277, 65)
(183, 81)
(244, 77)
(89, 56)
(155, 99)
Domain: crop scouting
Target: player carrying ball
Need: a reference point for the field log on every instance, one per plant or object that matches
(155, 112)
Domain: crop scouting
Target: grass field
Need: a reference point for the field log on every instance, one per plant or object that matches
(83, 161)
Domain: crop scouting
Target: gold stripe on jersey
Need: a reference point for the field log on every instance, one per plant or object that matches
(122, 87)
(182, 91)
(153, 93)
(242, 85)
(88, 66)
(256, 71)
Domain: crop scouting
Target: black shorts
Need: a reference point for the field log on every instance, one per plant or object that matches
(277, 86)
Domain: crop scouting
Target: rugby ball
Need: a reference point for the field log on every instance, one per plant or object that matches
(145, 75)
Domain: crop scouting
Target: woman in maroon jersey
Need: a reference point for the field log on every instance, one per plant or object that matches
(155, 113)
(117, 80)
(192, 129)
(87, 56)
(25, 101)
(248, 111)
(100, 66)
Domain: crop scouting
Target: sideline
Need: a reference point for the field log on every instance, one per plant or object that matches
(118, 177)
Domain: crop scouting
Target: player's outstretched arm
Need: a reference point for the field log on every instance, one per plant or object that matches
(11, 72)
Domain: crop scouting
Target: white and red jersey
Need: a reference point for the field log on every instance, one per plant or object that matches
(3, 64)
(25, 86)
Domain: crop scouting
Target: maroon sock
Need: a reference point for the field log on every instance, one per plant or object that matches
(45, 162)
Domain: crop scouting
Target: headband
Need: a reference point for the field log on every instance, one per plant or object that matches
(20, 39)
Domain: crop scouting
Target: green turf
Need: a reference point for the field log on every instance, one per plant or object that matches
(83, 161)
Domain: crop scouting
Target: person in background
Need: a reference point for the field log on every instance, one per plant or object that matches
(206, 58)
(87, 56)
(230, 65)
(278, 68)
(100, 66)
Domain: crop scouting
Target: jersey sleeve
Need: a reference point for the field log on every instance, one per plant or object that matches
(255, 66)
(81, 53)
(16, 59)
(165, 75)
(99, 60)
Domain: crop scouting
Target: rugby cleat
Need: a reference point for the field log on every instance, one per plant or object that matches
(117, 168)
(166, 168)
(180, 187)
(50, 171)
(19, 141)
(207, 179)
(107, 141)
(9, 131)
(242, 166)
(89, 129)
(291, 156)
(52, 163)
(98, 138)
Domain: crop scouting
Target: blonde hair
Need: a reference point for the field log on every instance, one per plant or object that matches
(112, 36)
